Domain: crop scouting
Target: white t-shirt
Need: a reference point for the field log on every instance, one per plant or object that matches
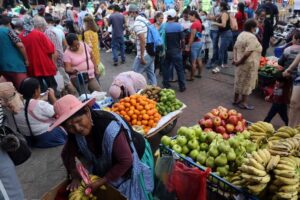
(44, 111)
(185, 24)
(139, 27)
(59, 33)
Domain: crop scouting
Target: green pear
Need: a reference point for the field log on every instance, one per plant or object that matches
(223, 171)
(210, 162)
(251, 147)
(231, 156)
(213, 151)
(223, 147)
(210, 136)
(234, 143)
(185, 149)
(221, 160)
(201, 158)
(204, 147)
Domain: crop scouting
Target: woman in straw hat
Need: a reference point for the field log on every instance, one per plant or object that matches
(111, 149)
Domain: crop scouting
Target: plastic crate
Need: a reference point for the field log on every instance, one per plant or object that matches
(218, 188)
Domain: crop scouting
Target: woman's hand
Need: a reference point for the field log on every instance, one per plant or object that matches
(97, 184)
(97, 72)
(286, 73)
(73, 185)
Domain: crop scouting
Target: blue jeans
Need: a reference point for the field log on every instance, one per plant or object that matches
(173, 59)
(196, 50)
(117, 44)
(226, 40)
(148, 68)
(214, 34)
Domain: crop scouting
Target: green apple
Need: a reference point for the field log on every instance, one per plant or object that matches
(181, 140)
(190, 134)
(177, 148)
(165, 140)
(204, 147)
(173, 142)
(185, 149)
(182, 130)
(194, 154)
(193, 144)
(202, 137)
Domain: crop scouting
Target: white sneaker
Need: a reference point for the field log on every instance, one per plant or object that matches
(108, 51)
(216, 70)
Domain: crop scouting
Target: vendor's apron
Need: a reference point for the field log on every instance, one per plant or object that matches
(130, 187)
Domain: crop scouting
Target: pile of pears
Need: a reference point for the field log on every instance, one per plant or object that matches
(209, 149)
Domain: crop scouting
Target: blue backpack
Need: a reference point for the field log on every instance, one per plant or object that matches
(154, 42)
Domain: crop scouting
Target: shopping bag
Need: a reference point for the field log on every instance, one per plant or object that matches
(60, 81)
(189, 183)
(163, 169)
(101, 68)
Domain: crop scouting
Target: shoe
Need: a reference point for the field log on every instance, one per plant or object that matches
(115, 64)
(182, 89)
(123, 62)
(224, 66)
(216, 70)
(108, 51)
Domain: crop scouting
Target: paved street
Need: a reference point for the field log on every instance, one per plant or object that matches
(44, 169)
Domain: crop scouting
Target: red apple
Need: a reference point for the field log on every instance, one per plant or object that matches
(222, 109)
(244, 123)
(208, 123)
(220, 129)
(208, 116)
(225, 136)
(215, 112)
(240, 123)
(232, 120)
(207, 130)
(223, 115)
(201, 122)
(232, 112)
(239, 128)
(239, 116)
(217, 121)
(223, 123)
(229, 128)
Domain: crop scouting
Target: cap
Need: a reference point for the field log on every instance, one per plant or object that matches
(133, 8)
(172, 13)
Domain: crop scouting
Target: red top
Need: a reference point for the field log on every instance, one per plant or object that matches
(241, 19)
(254, 4)
(280, 94)
(198, 27)
(39, 50)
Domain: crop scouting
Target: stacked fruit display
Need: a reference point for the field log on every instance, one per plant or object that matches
(138, 110)
(210, 149)
(223, 121)
(168, 102)
(79, 193)
(152, 92)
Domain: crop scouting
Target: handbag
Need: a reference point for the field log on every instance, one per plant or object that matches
(14, 144)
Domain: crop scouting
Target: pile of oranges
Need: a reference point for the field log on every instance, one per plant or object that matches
(138, 110)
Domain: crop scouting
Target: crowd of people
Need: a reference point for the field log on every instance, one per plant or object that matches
(50, 54)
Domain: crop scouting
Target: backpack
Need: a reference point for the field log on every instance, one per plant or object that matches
(154, 42)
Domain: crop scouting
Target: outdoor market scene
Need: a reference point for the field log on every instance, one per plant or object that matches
(150, 100)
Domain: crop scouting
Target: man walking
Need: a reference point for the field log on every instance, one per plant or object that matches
(174, 46)
(117, 21)
(143, 62)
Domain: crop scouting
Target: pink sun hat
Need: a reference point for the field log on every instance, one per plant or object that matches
(67, 106)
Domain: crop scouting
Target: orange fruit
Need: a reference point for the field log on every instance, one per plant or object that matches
(157, 115)
(133, 102)
(145, 116)
(126, 99)
(127, 118)
(150, 123)
(144, 122)
(133, 122)
(150, 112)
(137, 112)
(138, 123)
(143, 103)
(127, 105)
(130, 112)
(134, 116)
(154, 125)
(123, 113)
(143, 112)
(140, 108)
(147, 107)
(121, 107)
(140, 117)
(156, 119)
(146, 129)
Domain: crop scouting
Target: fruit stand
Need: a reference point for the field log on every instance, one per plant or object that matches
(252, 161)
(151, 111)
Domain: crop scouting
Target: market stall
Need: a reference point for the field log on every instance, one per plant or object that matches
(248, 161)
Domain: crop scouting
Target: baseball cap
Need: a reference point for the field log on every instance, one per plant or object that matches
(133, 8)
(171, 13)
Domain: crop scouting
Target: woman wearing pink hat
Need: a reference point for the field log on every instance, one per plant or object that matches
(126, 84)
(109, 146)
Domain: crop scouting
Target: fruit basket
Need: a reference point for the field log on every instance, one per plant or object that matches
(217, 187)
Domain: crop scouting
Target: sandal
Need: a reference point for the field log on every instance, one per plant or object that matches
(198, 76)
(246, 107)
(190, 79)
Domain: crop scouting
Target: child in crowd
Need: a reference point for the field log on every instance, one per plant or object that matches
(205, 36)
(280, 98)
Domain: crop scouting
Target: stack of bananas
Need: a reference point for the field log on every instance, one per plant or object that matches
(254, 172)
(79, 194)
(284, 132)
(285, 147)
(236, 179)
(260, 131)
(286, 183)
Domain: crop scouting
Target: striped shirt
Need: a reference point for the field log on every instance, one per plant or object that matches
(139, 27)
